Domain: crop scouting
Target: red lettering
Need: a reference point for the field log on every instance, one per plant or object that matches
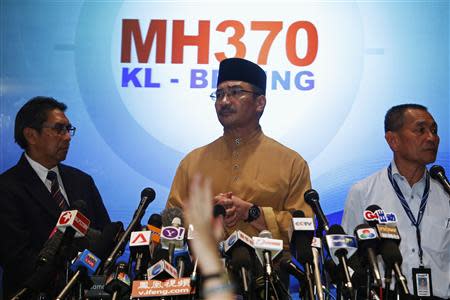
(180, 40)
(131, 30)
(234, 40)
(291, 43)
(273, 29)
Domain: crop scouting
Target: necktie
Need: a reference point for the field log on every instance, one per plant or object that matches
(56, 191)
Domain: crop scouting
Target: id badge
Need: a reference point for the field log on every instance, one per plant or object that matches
(422, 282)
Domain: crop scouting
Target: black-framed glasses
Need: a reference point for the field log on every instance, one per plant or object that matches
(232, 92)
(62, 129)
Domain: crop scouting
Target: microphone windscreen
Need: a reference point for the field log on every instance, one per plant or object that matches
(218, 210)
(390, 252)
(155, 220)
(265, 234)
(435, 170)
(103, 246)
(311, 196)
(336, 229)
(79, 205)
(298, 214)
(373, 208)
(149, 193)
(169, 214)
(240, 257)
(50, 247)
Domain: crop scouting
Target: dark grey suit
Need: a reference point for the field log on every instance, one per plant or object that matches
(28, 214)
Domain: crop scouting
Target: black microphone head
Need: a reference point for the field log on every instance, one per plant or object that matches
(155, 220)
(79, 205)
(240, 257)
(334, 272)
(436, 171)
(311, 196)
(219, 210)
(372, 208)
(391, 253)
(298, 214)
(107, 240)
(147, 195)
(368, 242)
(336, 229)
(169, 214)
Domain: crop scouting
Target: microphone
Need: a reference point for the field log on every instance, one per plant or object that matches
(118, 285)
(219, 210)
(147, 196)
(438, 173)
(84, 266)
(236, 239)
(56, 249)
(154, 225)
(172, 236)
(140, 251)
(266, 249)
(288, 266)
(392, 257)
(161, 270)
(171, 213)
(312, 198)
(241, 262)
(368, 242)
(302, 236)
(342, 246)
(87, 262)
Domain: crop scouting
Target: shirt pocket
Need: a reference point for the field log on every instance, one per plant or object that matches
(436, 240)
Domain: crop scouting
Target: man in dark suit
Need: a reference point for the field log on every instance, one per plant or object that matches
(35, 191)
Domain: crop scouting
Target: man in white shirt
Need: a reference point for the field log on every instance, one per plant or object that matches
(406, 189)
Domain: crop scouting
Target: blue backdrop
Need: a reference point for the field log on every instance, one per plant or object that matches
(137, 118)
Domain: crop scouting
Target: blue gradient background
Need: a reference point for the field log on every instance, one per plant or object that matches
(63, 49)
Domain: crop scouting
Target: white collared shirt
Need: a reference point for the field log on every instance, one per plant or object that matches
(434, 228)
(42, 172)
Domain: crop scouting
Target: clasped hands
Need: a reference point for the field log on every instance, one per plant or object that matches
(236, 209)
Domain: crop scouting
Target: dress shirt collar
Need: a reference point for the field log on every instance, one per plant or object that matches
(40, 170)
(396, 174)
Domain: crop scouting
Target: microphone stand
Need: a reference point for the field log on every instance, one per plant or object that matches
(387, 283)
(369, 279)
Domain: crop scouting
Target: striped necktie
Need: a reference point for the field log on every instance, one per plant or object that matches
(56, 191)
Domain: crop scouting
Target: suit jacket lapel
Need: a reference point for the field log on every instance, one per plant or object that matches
(37, 188)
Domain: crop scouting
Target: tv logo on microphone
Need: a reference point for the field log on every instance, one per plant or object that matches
(380, 216)
(366, 234)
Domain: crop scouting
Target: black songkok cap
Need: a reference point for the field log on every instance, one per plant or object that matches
(242, 70)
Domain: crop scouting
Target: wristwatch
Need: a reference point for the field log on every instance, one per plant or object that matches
(253, 213)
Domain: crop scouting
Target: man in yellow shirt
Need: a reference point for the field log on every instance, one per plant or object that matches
(258, 180)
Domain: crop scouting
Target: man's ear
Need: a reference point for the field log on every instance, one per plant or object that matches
(30, 135)
(392, 140)
(260, 103)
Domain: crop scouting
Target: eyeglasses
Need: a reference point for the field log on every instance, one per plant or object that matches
(62, 129)
(232, 92)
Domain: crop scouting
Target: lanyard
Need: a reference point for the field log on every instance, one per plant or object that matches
(423, 204)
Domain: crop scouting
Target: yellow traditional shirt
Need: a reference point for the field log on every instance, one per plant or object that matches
(256, 169)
